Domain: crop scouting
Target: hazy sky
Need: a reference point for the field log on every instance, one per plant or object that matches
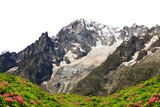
(23, 21)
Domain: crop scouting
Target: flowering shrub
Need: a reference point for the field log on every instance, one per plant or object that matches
(16, 91)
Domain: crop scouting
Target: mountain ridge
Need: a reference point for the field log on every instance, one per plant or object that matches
(58, 63)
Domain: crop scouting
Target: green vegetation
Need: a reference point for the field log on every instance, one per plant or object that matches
(18, 92)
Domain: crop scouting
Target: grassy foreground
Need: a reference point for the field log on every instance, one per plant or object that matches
(18, 92)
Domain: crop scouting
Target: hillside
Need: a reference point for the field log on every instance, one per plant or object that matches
(16, 91)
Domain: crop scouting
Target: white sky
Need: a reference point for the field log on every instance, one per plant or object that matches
(23, 21)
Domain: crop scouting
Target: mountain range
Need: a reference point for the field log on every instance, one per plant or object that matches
(88, 58)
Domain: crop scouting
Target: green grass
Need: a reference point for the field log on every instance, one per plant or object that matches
(13, 86)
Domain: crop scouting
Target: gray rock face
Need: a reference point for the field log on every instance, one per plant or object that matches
(133, 61)
(87, 44)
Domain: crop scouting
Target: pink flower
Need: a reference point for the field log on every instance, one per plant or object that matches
(136, 96)
(9, 99)
(139, 102)
(152, 100)
(149, 103)
(40, 101)
(6, 95)
(31, 101)
(136, 104)
(35, 103)
(10, 85)
(11, 93)
(14, 97)
(2, 86)
(159, 95)
(157, 98)
(15, 88)
(155, 89)
(4, 83)
(19, 99)
(140, 105)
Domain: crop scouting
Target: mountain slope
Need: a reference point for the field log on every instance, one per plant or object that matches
(99, 39)
(16, 91)
(111, 76)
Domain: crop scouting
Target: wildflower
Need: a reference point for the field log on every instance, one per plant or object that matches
(157, 98)
(136, 96)
(19, 99)
(31, 101)
(11, 93)
(10, 85)
(35, 103)
(155, 89)
(14, 97)
(136, 104)
(6, 95)
(140, 102)
(128, 99)
(4, 83)
(9, 99)
(140, 105)
(40, 101)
